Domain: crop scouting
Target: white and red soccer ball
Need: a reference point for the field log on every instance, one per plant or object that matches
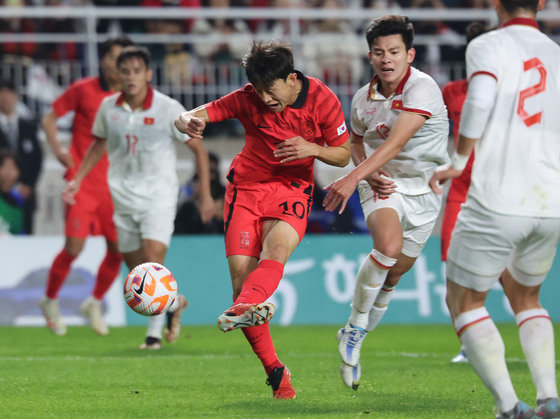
(149, 289)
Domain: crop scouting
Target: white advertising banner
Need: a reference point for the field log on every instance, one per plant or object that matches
(26, 261)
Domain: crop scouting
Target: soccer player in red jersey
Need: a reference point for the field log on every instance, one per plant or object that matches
(288, 120)
(93, 212)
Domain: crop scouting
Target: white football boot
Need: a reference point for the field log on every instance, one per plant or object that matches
(52, 316)
(351, 375)
(91, 308)
(350, 340)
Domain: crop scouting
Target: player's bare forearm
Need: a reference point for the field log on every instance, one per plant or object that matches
(92, 157)
(48, 122)
(193, 122)
(335, 156)
(357, 149)
(206, 205)
(465, 145)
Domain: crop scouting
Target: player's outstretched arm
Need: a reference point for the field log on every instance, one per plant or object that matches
(406, 125)
(299, 148)
(207, 206)
(92, 157)
(193, 122)
(48, 122)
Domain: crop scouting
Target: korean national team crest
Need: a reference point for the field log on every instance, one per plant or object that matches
(244, 239)
(308, 129)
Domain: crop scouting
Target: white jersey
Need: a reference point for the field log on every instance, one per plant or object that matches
(516, 168)
(142, 156)
(373, 116)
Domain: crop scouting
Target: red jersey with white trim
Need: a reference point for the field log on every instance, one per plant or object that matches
(454, 95)
(517, 166)
(84, 97)
(373, 115)
(316, 115)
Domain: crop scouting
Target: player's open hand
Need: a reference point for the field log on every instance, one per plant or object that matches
(207, 208)
(70, 191)
(65, 158)
(381, 183)
(190, 125)
(294, 149)
(339, 192)
(441, 176)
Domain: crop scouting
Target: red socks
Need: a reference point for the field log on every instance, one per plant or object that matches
(261, 283)
(261, 342)
(257, 288)
(108, 271)
(58, 273)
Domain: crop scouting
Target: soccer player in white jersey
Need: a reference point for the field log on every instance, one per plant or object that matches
(136, 128)
(399, 136)
(511, 218)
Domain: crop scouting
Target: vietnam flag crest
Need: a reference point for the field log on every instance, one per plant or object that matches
(148, 121)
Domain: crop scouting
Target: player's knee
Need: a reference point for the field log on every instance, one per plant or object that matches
(73, 248)
(389, 247)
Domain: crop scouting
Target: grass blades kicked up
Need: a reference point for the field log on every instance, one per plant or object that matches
(406, 372)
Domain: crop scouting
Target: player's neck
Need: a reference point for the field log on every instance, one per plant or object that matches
(298, 85)
(114, 86)
(136, 101)
(505, 17)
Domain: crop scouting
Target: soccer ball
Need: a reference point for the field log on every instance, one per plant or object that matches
(150, 289)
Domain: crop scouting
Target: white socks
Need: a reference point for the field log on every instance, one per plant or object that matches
(369, 281)
(155, 326)
(537, 340)
(379, 307)
(486, 352)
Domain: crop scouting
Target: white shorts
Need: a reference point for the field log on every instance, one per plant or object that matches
(417, 213)
(154, 225)
(484, 244)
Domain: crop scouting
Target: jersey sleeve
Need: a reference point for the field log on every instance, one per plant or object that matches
(333, 125)
(177, 109)
(356, 124)
(229, 106)
(67, 101)
(99, 128)
(423, 97)
(482, 58)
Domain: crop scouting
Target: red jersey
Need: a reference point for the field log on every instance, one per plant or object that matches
(454, 95)
(316, 115)
(84, 97)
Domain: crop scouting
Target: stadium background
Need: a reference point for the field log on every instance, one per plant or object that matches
(45, 45)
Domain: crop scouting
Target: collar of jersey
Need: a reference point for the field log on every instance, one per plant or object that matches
(522, 21)
(147, 100)
(304, 90)
(374, 94)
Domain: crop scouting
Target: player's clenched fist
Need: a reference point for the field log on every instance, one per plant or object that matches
(190, 125)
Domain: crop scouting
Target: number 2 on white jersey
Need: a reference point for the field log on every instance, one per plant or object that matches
(533, 63)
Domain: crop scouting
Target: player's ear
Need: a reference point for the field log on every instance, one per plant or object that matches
(291, 81)
(410, 54)
(149, 75)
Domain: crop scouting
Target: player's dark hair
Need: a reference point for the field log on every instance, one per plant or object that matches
(134, 52)
(391, 25)
(7, 84)
(475, 29)
(121, 41)
(267, 62)
(512, 6)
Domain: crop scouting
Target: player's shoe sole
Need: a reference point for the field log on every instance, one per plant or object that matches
(174, 320)
(51, 313)
(245, 315)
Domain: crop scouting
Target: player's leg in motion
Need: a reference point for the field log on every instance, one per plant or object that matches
(537, 340)
(57, 275)
(253, 284)
(484, 347)
(106, 274)
(386, 231)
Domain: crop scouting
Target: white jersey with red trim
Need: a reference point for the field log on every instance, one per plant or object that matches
(373, 115)
(517, 166)
(141, 147)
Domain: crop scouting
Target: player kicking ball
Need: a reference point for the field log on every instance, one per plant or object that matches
(135, 128)
(288, 120)
(399, 131)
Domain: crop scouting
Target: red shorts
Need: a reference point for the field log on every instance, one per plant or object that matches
(246, 207)
(91, 215)
(457, 196)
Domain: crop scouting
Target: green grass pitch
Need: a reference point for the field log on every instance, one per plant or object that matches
(406, 373)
